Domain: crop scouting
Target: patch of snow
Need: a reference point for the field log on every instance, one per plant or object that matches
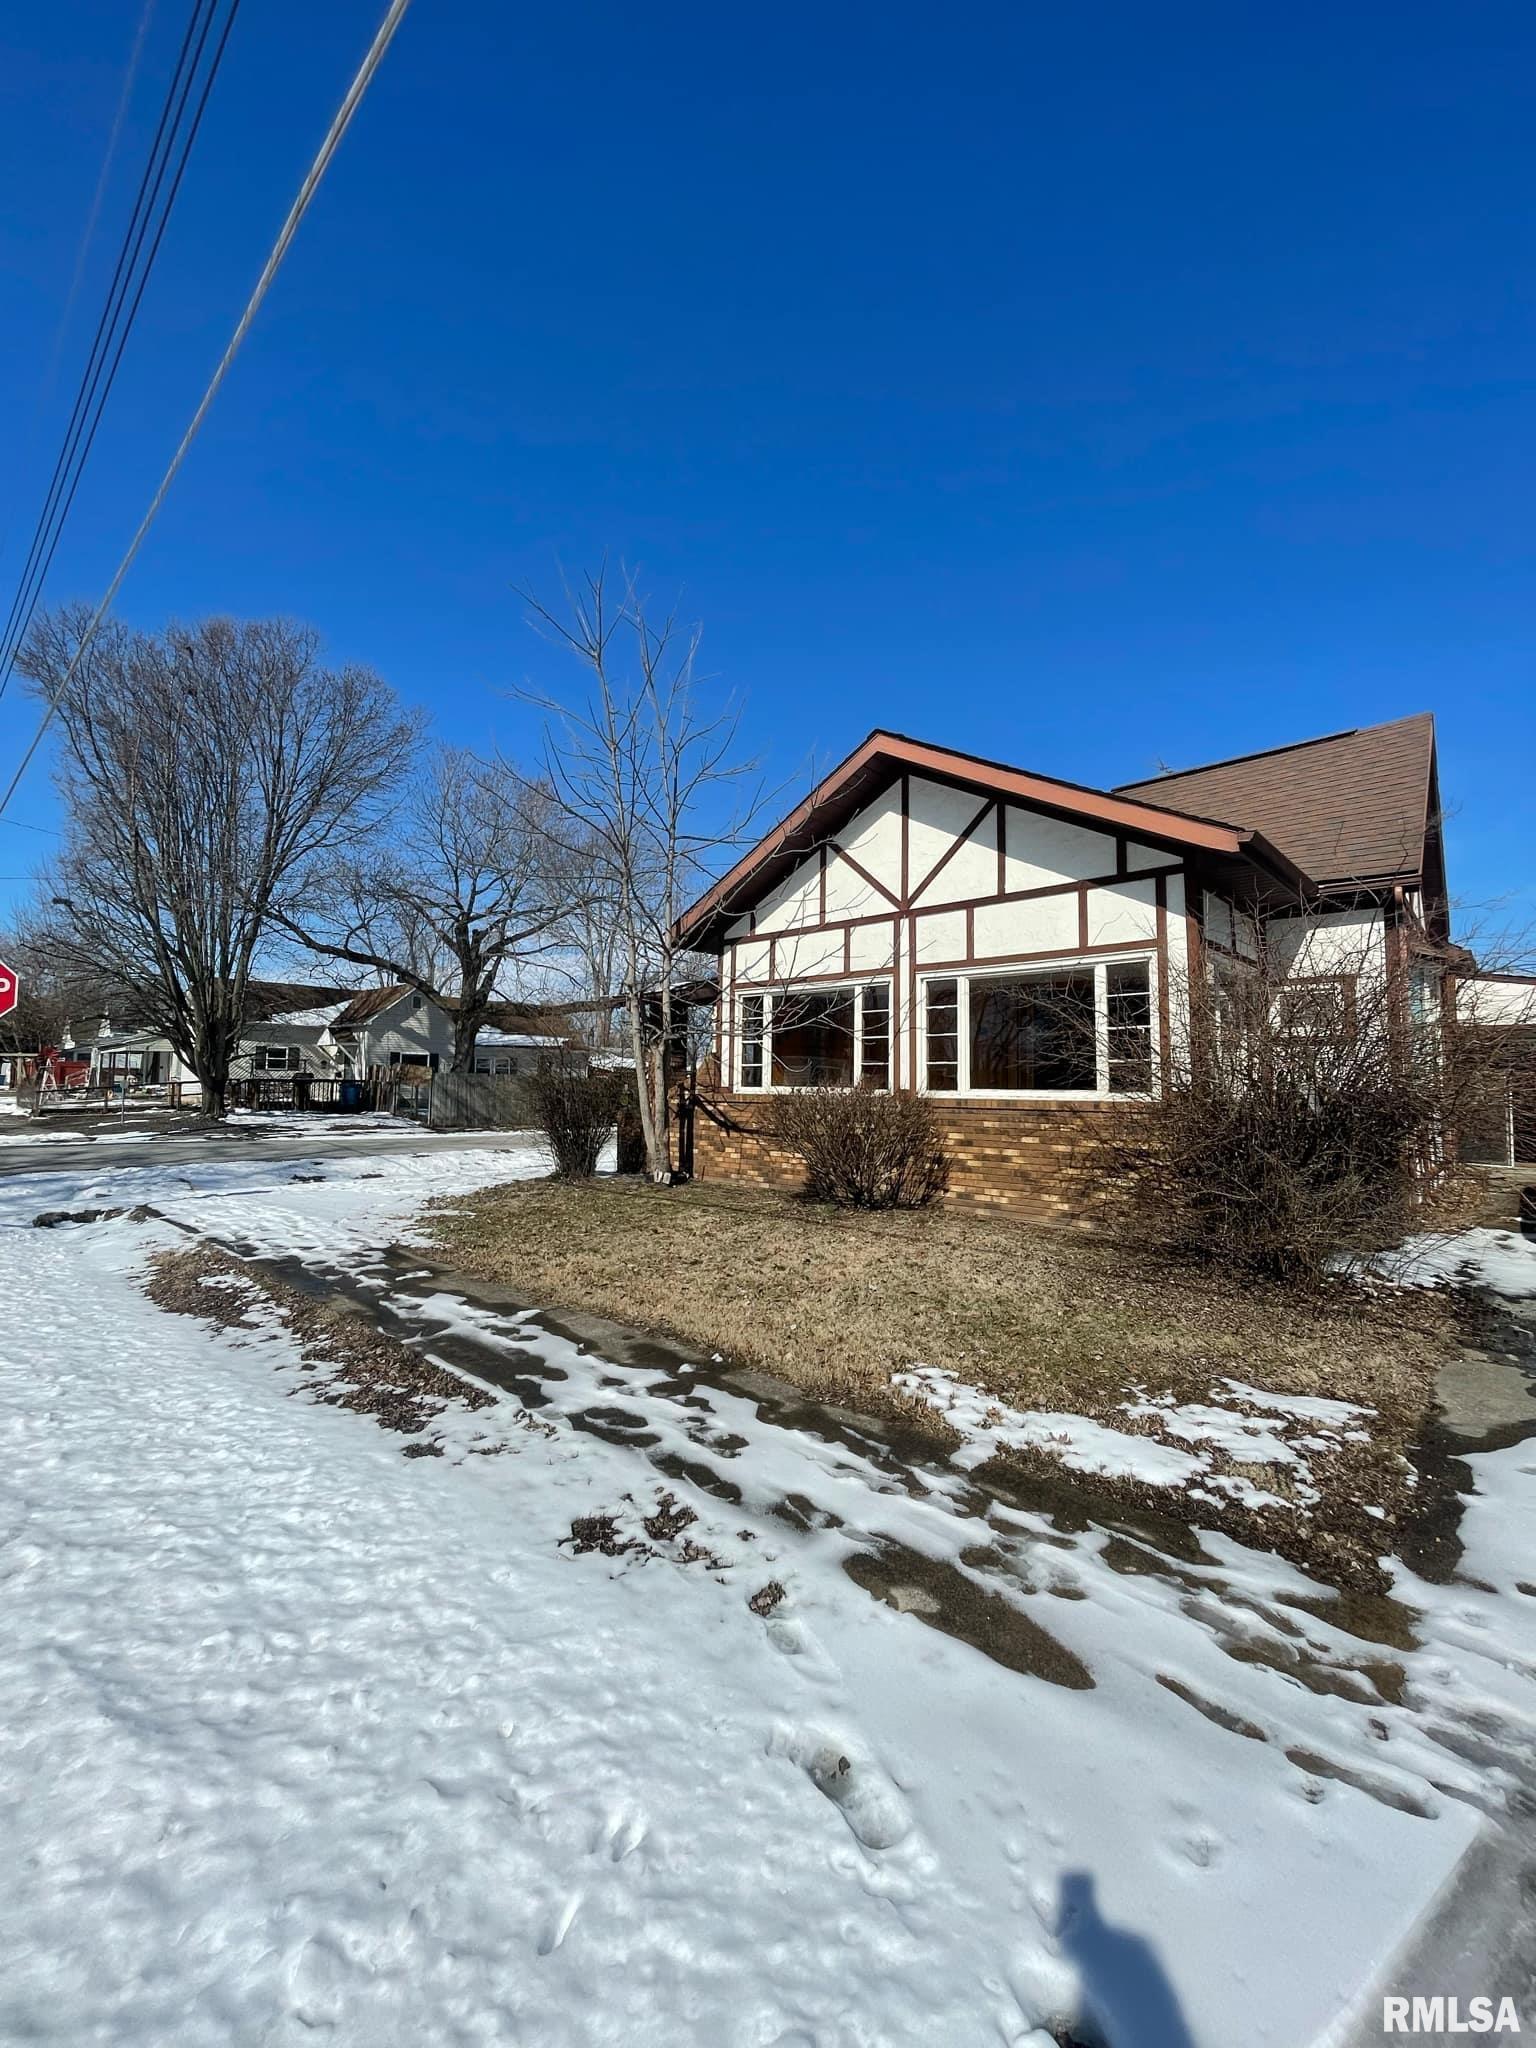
(325, 1013)
(1243, 1436)
(987, 1425)
(1311, 1407)
(1083, 1444)
(1500, 1260)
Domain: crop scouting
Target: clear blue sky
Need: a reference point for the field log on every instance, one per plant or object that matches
(1086, 387)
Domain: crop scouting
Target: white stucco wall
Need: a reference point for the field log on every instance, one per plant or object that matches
(1335, 942)
(953, 864)
(1481, 1000)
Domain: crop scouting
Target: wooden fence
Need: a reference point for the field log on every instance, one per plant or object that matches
(478, 1102)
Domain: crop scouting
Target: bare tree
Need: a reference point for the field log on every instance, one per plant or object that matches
(48, 996)
(652, 786)
(205, 772)
(470, 886)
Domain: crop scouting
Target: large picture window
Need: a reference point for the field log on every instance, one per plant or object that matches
(813, 1038)
(1084, 1028)
(1036, 1032)
(816, 1037)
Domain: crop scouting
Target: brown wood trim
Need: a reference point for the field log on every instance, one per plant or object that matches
(848, 925)
(1082, 917)
(728, 1064)
(773, 957)
(839, 924)
(950, 851)
(1164, 1013)
(821, 881)
(847, 949)
(833, 974)
(1065, 954)
(970, 931)
(1135, 815)
(913, 1080)
(1002, 848)
(865, 876)
(1122, 858)
(1057, 889)
(906, 839)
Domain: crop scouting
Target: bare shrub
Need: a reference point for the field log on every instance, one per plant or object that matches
(864, 1148)
(1308, 1117)
(577, 1114)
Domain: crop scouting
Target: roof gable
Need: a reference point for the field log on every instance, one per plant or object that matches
(885, 757)
(1354, 807)
(368, 1004)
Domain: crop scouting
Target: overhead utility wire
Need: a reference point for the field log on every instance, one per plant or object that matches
(317, 170)
(148, 222)
(87, 236)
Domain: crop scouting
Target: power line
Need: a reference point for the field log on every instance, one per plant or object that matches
(341, 121)
(147, 223)
(87, 237)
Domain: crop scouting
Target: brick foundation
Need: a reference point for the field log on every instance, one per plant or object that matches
(1022, 1159)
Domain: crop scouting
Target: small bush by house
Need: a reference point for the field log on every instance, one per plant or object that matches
(577, 1114)
(864, 1148)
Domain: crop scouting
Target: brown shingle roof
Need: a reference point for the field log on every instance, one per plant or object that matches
(368, 1003)
(1352, 807)
(268, 999)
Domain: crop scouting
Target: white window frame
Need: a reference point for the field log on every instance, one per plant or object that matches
(1017, 970)
(261, 1062)
(856, 983)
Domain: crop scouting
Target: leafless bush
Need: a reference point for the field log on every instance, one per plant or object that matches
(577, 1114)
(863, 1147)
(1307, 1116)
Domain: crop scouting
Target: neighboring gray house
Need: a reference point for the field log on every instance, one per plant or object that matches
(509, 1053)
(295, 1028)
(287, 1022)
(381, 1028)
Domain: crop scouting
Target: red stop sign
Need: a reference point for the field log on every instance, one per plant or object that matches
(10, 989)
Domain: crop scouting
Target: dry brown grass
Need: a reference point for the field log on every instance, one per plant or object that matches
(835, 1300)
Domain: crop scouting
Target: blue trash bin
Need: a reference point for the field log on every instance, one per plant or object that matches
(351, 1094)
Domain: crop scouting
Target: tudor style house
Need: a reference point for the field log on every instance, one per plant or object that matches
(1017, 946)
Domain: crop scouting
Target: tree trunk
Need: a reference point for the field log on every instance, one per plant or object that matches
(466, 1029)
(655, 1152)
(215, 1087)
(663, 1171)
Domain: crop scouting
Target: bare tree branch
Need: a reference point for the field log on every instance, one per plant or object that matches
(206, 771)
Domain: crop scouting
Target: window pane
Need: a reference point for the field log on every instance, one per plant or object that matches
(1319, 1010)
(875, 1064)
(751, 1041)
(943, 1035)
(1129, 1003)
(1036, 1032)
(813, 1039)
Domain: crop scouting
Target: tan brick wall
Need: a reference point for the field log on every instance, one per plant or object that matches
(1023, 1159)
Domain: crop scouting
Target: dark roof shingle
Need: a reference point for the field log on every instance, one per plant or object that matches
(1353, 807)
(368, 1003)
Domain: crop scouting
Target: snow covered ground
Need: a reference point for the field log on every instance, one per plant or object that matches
(307, 1739)
(1499, 1260)
(1290, 1427)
